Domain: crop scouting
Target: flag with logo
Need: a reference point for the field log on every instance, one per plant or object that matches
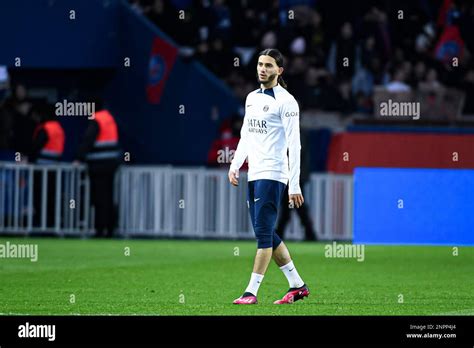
(450, 45)
(162, 58)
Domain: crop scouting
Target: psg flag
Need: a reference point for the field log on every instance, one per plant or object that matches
(162, 59)
(450, 45)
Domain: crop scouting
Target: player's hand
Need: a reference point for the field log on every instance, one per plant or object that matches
(296, 200)
(234, 177)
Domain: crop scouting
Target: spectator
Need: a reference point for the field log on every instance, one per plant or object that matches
(398, 82)
(223, 21)
(223, 148)
(341, 59)
(217, 57)
(431, 83)
(363, 81)
(161, 14)
(296, 72)
(347, 102)
(312, 90)
(419, 71)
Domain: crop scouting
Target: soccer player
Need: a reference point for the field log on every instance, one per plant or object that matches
(270, 138)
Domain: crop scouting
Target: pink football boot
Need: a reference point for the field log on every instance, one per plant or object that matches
(246, 298)
(294, 294)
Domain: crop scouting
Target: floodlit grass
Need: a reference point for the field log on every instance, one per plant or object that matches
(163, 277)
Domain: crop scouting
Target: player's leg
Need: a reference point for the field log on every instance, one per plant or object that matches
(280, 251)
(298, 289)
(281, 255)
(282, 258)
(262, 203)
(267, 195)
(250, 294)
(283, 214)
(262, 260)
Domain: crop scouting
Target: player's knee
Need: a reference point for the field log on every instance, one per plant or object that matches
(276, 241)
(264, 243)
(264, 239)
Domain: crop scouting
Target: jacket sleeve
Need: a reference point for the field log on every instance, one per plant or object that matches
(290, 117)
(241, 152)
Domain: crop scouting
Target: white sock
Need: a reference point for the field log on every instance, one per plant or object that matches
(254, 284)
(290, 272)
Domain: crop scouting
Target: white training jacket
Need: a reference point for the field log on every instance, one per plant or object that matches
(270, 138)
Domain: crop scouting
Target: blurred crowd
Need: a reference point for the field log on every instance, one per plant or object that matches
(336, 50)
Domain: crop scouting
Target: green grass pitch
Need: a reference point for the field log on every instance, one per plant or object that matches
(163, 277)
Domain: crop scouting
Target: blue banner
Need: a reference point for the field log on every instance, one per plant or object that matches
(414, 206)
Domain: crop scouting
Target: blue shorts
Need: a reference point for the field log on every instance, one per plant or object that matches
(263, 199)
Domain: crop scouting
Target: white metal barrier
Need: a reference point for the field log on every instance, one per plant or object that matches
(330, 198)
(44, 198)
(184, 202)
(200, 203)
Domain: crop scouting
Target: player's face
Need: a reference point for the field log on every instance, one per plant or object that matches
(267, 70)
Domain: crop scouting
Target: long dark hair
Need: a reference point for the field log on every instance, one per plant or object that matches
(275, 54)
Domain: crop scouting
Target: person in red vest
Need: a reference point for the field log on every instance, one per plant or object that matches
(100, 150)
(48, 141)
(223, 148)
(47, 149)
